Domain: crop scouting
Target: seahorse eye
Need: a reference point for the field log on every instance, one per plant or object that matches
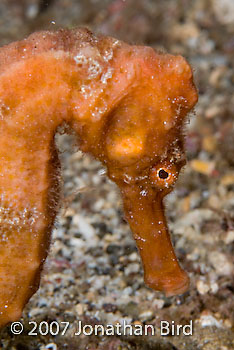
(163, 175)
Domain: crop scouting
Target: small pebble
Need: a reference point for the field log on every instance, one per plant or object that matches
(227, 179)
(229, 237)
(146, 315)
(207, 320)
(220, 263)
(203, 167)
(131, 268)
(212, 111)
(202, 287)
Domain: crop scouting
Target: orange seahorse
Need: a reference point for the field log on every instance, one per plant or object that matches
(127, 105)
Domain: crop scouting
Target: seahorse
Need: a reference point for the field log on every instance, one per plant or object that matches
(127, 105)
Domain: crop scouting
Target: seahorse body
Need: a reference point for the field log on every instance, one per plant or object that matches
(127, 105)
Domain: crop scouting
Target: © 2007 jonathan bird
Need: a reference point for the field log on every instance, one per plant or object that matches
(127, 106)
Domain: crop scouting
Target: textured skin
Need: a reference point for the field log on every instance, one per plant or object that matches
(127, 105)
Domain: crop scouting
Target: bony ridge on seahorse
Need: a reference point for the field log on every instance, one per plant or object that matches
(127, 105)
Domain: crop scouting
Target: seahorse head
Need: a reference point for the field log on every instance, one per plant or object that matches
(145, 153)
